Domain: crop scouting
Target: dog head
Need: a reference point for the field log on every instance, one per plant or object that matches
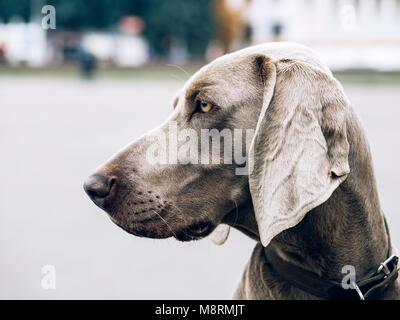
(264, 126)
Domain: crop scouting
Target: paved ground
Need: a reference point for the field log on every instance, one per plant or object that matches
(54, 132)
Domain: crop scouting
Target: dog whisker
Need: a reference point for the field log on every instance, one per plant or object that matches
(164, 222)
(180, 68)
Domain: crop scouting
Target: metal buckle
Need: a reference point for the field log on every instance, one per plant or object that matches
(382, 268)
(384, 265)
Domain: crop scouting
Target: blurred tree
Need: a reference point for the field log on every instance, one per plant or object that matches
(191, 23)
(11, 8)
(231, 24)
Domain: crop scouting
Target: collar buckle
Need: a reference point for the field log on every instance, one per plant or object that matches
(384, 265)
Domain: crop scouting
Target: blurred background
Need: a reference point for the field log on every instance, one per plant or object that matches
(77, 86)
(349, 34)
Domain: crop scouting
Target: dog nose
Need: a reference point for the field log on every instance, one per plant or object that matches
(98, 187)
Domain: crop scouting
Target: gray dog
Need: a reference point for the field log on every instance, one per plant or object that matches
(309, 198)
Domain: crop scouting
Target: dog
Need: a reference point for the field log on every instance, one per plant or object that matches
(306, 191)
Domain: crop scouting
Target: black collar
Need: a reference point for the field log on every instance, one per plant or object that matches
(368, 286)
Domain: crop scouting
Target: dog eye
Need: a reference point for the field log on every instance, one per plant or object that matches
(204, 106)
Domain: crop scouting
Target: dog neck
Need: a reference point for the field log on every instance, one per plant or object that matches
(348, 229)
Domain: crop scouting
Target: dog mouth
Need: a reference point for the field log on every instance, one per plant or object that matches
(161, 229)
(195, 231)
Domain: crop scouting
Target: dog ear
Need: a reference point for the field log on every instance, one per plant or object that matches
(299, 153)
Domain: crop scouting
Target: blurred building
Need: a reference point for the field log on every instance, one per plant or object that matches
(23, 43)
(29, 44)
(126, 48)
(349, 34)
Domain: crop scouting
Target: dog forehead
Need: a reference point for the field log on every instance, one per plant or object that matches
(275, 51)
(230, 72)
(234, 71)
(234, 63)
